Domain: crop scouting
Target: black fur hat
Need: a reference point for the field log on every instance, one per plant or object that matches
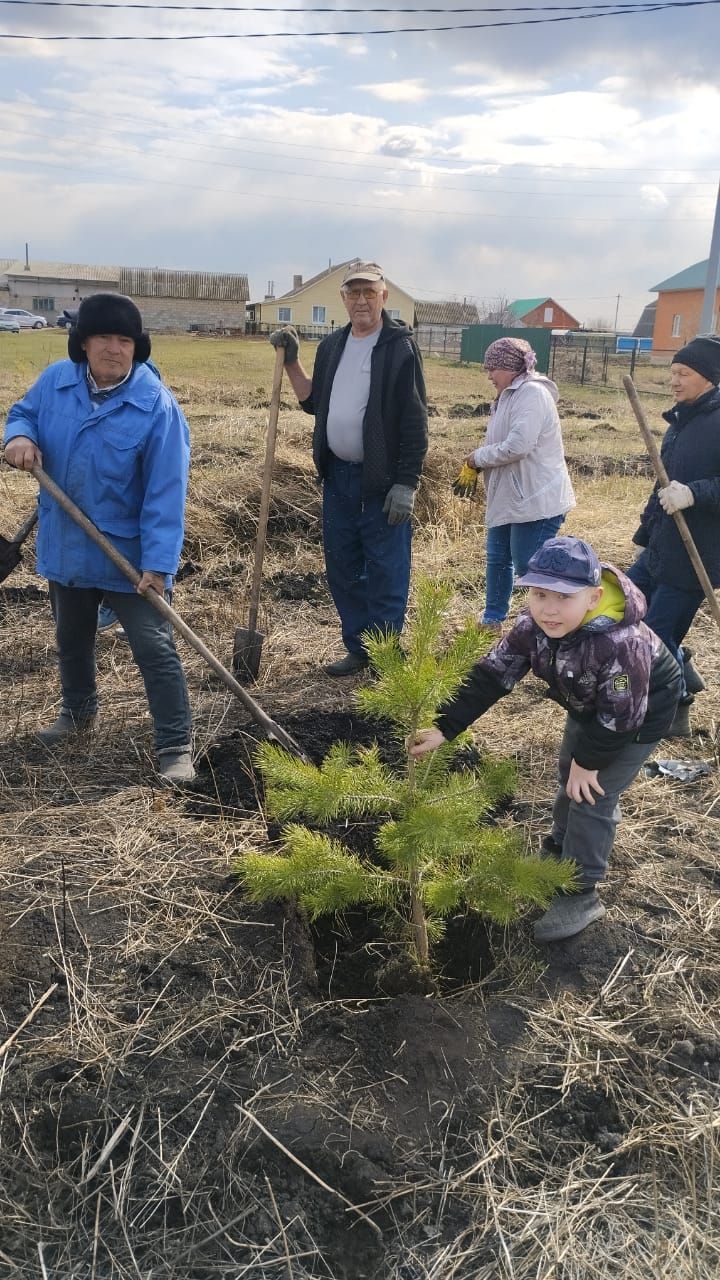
(108, 313)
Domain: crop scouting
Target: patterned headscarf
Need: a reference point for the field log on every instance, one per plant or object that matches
(510, 353)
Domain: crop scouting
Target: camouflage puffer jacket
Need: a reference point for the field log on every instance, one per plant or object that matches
(616, 678)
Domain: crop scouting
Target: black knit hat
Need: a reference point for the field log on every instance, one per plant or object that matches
(108, 313)
(702, 355)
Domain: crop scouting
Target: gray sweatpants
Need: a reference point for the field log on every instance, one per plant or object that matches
(585, 831)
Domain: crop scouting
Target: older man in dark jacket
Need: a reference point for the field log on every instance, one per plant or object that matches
(691, 454)
(367, 394)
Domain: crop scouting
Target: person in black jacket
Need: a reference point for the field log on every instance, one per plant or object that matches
(367, 394)
(691, 454)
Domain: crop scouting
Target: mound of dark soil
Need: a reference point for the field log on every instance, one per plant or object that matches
(602, 465)
(310, 587)
(10, 597)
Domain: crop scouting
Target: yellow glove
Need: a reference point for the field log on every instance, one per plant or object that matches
(466, 483)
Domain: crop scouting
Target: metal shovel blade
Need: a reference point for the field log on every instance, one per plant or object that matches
(10, 555)
(247, 652)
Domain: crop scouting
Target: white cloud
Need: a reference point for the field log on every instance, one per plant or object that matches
(489, 81)
(397, 90)
(654, 196)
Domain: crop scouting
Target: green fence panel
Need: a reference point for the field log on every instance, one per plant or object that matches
(477, 338)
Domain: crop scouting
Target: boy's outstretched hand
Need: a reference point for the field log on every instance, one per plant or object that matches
(581, 783)
(426, 740)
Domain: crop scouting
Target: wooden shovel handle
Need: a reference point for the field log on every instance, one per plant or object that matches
(261, 536)
(270, 728)
(678, 516)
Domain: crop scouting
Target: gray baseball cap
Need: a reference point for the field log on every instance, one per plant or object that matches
(363, 271)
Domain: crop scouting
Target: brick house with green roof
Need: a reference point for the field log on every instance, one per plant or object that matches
(542, 313)
(679, 308)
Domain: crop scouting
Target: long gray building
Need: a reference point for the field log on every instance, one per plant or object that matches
(170, 301)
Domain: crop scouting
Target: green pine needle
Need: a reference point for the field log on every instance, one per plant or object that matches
(434, 844)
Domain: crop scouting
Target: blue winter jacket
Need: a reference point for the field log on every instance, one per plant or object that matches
(123, 461)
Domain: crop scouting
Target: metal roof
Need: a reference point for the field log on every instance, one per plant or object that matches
(61, 271)
(446, 313)
(521, 306)
(139, 282)
(646, 324)
(691, 278)
(322, 275)
(156, 282)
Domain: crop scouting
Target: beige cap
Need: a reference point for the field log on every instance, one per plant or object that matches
(363, 271)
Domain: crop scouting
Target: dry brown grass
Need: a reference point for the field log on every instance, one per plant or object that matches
(583, 1145)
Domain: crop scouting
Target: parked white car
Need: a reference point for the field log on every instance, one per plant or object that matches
(8, 324)
(25, 319)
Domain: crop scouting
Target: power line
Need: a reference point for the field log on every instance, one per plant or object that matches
(362, 181)
(435, 173)
(335, 10)
(374, 31)
(339, 204)
(364, 158)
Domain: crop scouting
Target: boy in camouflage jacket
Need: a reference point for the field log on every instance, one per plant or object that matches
(583, 635)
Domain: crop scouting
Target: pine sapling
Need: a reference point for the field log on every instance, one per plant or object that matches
(433, 854)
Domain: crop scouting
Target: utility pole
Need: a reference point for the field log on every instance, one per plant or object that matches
(617, 310)
(711, 279)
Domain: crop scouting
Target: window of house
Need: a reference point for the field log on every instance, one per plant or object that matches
(318, 315)
(677, 321)
(394, 315)
(547, 315)
(43, 304)
(285, 315)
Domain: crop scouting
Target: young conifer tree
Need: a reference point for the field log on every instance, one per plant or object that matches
(433, 854)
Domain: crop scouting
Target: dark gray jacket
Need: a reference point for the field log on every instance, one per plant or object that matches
(395, 435)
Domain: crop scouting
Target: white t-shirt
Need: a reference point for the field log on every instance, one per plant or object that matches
(349, 397)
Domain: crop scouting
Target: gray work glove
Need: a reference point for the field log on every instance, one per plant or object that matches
(287, 338)
(399, 504)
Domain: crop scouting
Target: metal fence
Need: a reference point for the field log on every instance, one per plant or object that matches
(592, 360)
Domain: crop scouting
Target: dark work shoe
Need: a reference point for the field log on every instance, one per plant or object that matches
(567, 915)
(550, 848)
(175, 767)
(347, 666)
(680, 727)
(65, 728)
(694, 682)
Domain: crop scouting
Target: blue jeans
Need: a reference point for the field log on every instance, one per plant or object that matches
(670, 609)
(367, 560)
(150, 637)
(508, 549)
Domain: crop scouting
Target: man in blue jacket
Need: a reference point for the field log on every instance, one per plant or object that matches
(114, 438)
(367, 395)
(691, 454)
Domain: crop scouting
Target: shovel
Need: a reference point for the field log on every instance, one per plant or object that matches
(678, 517)
(248, 640)
(272, 730)
(10, 556)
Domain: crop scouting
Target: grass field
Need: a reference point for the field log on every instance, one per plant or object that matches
(168, 1055)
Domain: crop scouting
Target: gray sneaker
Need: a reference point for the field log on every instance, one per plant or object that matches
(567, 915)
(65, 728)
(175, 767)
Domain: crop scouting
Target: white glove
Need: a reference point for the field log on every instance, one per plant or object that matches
(675, 497)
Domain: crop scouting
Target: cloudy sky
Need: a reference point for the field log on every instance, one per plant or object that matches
(576, 159)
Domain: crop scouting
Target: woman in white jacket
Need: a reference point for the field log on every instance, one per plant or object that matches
(528, 489)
